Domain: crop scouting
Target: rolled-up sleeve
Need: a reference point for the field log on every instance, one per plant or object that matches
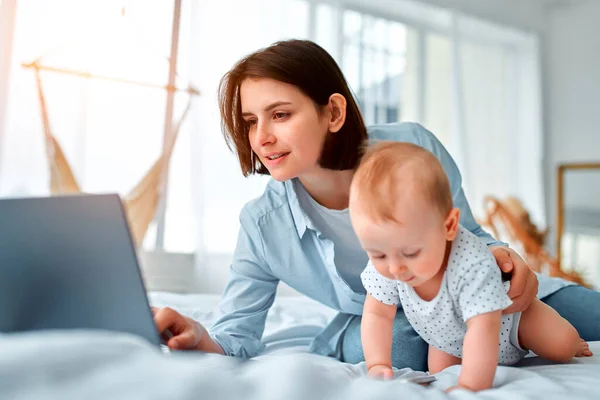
(248, 295)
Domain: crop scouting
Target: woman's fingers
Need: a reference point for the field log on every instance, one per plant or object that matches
(167, 318)
(503, 259)
(523, 282)
(188, 339)
(180, 332)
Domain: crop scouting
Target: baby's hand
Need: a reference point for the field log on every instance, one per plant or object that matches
(381, 372)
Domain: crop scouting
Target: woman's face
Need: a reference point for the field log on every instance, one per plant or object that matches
(286, 130)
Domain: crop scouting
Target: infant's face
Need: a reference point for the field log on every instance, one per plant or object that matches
(411, 250)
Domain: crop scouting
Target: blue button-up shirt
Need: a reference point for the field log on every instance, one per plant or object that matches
(278, 242)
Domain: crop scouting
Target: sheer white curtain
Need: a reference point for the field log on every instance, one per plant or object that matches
(111, 132)
(497, 96)
(477, 88)
(473, 83)
(224, 32)
(7, 16)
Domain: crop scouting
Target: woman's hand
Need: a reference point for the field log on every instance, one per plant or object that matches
(523, 283)
(381, 372)
(183, 333)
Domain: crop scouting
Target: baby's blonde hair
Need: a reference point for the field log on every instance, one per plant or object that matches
(388, 167)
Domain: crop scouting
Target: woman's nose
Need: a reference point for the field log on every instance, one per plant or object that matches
(263, 134)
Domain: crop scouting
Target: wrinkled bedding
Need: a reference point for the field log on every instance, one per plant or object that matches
(96, 364)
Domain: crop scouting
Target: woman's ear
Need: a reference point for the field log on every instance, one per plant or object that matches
(451, 223)
(337, 112)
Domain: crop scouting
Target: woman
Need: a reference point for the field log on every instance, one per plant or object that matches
(287, 111)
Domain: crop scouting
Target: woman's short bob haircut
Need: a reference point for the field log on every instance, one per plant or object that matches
(311, 69)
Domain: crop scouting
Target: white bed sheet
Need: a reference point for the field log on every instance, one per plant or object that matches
(293, 321)
(95, 365)
(291, 324)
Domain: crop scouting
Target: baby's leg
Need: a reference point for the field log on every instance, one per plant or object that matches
(439, 360)
(548, 335)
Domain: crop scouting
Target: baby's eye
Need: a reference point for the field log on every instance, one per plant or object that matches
(379, 257)
(413, 255)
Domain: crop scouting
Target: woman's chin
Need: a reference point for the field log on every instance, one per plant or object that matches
(281, 176)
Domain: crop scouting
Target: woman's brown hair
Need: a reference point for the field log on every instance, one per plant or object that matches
(311, 69)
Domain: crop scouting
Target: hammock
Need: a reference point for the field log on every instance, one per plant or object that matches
(141, 202)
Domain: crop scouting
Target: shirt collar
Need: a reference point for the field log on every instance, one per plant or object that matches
(301, 220)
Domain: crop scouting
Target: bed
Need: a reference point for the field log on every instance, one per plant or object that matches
(95, 364)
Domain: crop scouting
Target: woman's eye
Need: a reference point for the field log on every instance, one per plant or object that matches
(251, 122)
(280, 115)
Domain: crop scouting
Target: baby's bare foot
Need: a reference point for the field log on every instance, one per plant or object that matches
(583, 350)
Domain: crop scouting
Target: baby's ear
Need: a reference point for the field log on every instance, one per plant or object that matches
(451, 223)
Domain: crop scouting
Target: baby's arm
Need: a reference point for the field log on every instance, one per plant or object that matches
(480, 351)
(376, 333)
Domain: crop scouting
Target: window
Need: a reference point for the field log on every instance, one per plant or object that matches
(374, 60)
(112, 132)
(474, 84)
(384, 62)
(221, 189)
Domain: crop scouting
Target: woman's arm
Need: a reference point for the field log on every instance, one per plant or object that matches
(248, 295)
(244, 306)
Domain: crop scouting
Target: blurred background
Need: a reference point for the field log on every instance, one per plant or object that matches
(510, 87)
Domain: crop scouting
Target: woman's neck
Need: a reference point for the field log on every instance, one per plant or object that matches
(329, 188)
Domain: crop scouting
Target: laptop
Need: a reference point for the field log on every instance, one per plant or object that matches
(69, 262)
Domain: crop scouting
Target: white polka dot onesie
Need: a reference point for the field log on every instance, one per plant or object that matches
(472, 285)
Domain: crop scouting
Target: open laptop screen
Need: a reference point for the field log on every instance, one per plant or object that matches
(69, 262)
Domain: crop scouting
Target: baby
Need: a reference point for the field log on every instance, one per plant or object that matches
(445, 278)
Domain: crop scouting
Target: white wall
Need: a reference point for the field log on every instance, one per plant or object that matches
(524, 14)
(572, 92)
(181, 273)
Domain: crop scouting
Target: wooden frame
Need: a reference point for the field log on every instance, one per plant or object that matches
(560, 204)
